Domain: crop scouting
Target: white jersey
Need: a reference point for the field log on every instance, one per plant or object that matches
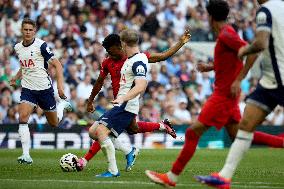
(134, 67)
(34, 61)
(270, 18)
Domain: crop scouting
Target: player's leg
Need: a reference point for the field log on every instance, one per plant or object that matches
(25, 110)
(192, 136)
(253, 115)
(143, 127)
(101, 133)
(54, 113)
(93, 150)
(26, 107)
(258, 137)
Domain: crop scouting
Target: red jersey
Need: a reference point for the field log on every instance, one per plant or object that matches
(113, 67)
(227, 65)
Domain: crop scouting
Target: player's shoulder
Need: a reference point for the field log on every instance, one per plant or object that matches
(39, 42)
(141, 57)
(18, 46)
(106, 61)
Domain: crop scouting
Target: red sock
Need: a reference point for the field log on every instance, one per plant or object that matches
(147, 126)
(93, 150)
(267, 139)
(281, 135)
(189, 147)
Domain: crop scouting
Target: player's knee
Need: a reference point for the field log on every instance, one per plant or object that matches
(53, 123)
(93, 131)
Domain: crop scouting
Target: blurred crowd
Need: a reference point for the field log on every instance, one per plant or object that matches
(74, 30)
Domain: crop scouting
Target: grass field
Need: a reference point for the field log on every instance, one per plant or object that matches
(262, 168)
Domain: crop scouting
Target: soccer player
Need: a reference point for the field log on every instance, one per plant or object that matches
(221, 109)
(112, 65)
(132, 83)
(269, 92)
(35, 56)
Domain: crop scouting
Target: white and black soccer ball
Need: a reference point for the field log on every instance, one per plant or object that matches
(68, 162)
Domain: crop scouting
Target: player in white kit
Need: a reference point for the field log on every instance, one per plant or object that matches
(126, 106)
(35, 57)
(269, 92)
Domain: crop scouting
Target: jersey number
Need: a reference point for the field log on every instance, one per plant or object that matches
(123, 78)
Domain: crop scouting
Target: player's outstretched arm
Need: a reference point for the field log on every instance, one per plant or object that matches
(96, 89)
(140, 86)
(157, 57)
(59, 77)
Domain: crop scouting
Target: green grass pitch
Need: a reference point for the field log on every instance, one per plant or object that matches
(261, 168)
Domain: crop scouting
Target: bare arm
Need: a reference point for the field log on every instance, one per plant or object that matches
(16, 77)
(59, 77)
(140, 86)
(235, 87)
(260, 43)
(202, 67)
(157, 57)
(96, 88)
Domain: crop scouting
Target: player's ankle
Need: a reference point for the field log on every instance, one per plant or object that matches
(162, 126)
(173, 177)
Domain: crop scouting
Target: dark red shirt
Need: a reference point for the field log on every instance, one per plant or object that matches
(227, 65)
(113, 67)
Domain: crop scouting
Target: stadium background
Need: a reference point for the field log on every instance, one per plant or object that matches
(74, 31)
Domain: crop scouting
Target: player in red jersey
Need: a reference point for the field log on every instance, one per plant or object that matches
(221, 109)
(112, 65)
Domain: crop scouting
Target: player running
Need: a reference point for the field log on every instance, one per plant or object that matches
(269, 92)
(35, 57)
(132, 83)
(222, 108)
(112, 65)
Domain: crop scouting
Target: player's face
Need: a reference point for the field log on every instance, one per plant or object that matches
(28, 32)
(115, 52)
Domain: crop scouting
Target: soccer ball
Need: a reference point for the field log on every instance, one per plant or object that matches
(68, 162)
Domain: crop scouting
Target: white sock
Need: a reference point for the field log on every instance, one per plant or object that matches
(240, 146)
(108, 147)
(25, 137)
(173, 177)
(162, 127)
(60, 110)
(126, 148)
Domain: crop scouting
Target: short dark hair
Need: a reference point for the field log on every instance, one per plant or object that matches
(29, 21)
(111, 40)
(218, 9)
(130, 37)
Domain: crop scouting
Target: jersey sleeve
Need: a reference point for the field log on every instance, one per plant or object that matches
(232, 39)
(46, 52)
(139, 69)
(104, 70)
(263, 20)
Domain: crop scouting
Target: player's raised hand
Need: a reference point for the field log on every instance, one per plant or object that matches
(13, 82)
(61, 94)
(186, 36)
(90, 107)
(118, 101)
(235, 88)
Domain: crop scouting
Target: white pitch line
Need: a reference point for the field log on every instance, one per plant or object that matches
(238, 184)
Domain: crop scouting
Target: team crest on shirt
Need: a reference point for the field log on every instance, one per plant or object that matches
(140, 70)
(261, 18)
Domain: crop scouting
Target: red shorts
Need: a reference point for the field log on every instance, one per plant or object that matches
(219, 111)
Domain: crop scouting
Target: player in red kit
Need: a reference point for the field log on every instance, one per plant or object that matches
(112, 65)
(221, 109)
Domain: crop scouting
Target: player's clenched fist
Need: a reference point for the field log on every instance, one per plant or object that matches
(90, 107)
